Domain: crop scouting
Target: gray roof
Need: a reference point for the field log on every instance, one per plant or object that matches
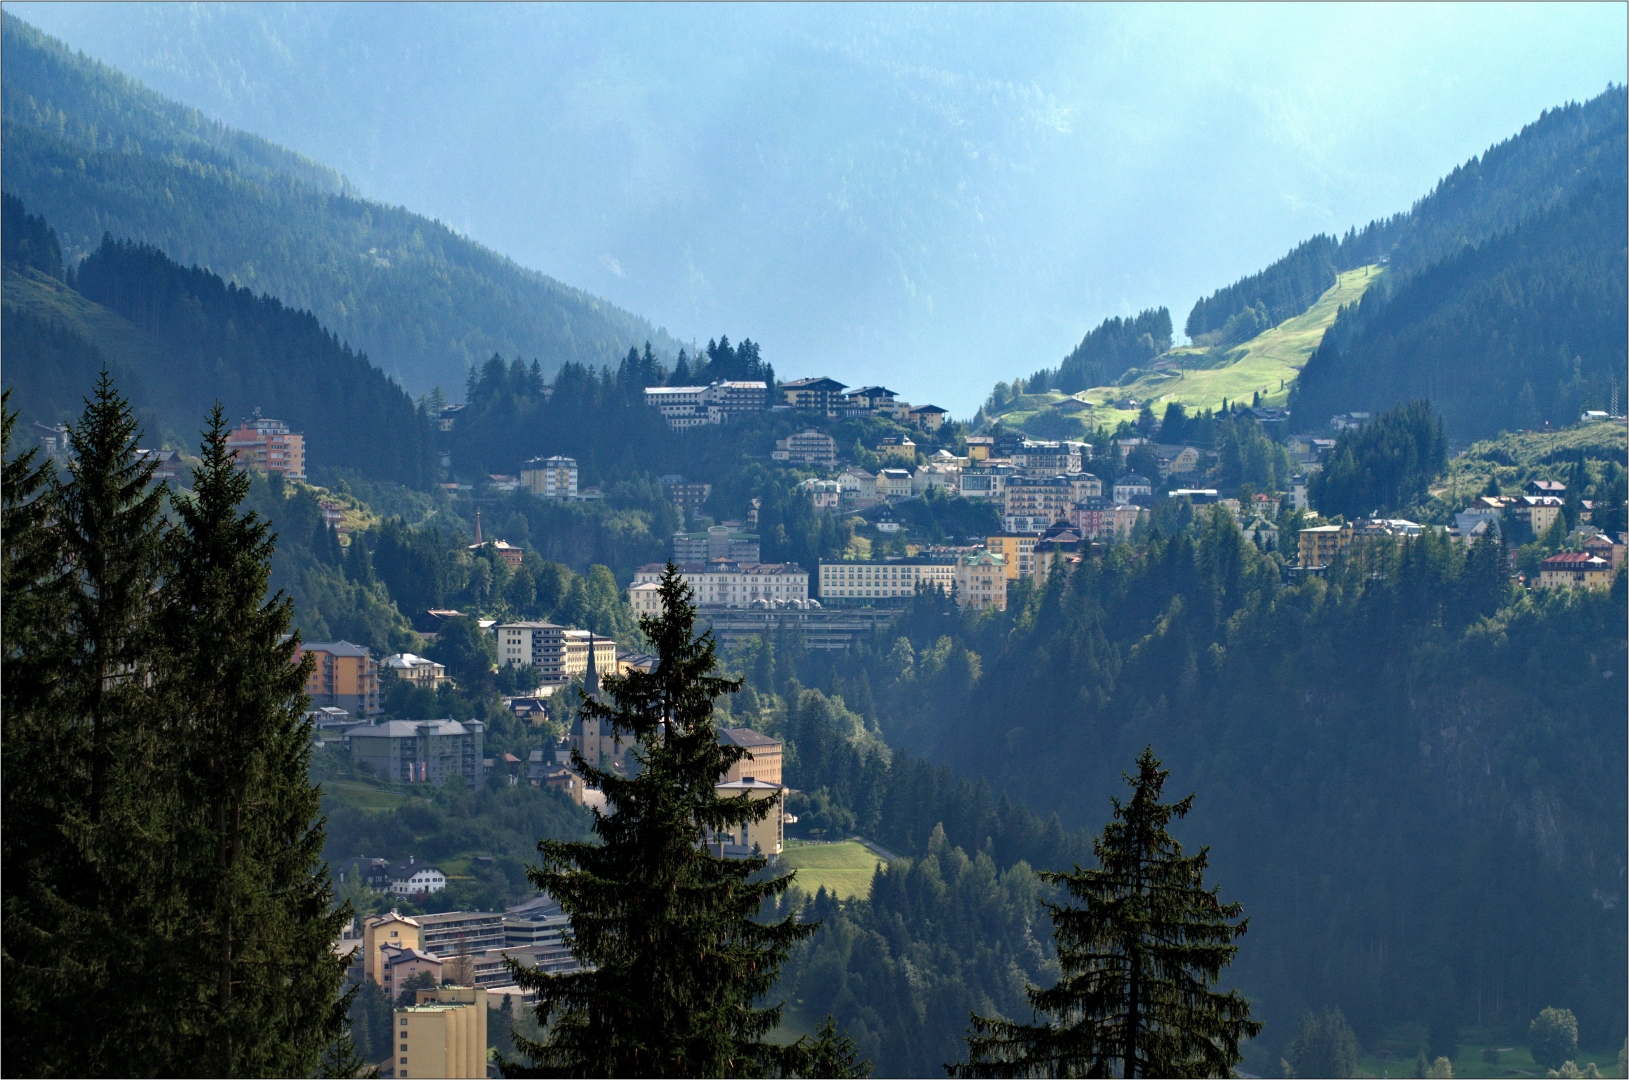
(740, 736)
(407, 729)
(337, 648)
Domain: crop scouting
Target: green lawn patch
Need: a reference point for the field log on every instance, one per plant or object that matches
(362, 795)
(843, 868)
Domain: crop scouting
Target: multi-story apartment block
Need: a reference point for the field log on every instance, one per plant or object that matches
(897, 448)
(718, 403)
(868, 401)
(981, 581)
(929, 418)
(757, 776)
(346, 676)
(444, 1034)
(1575, 570)
(731, 584)
(857, 486)
(1130, 486)
(687, 495)
(579, 644)
(378, 931)
(862, 583)
(420, 751)
(1017, 551)
(1320, 545)
(269, 446)
(980, 448)
(551, 477)
(718, 542)
(1031, 505)
(1094, 517)
(807, 448)
(894, 483)
(985, 481)
(824, 494)
(819, 395)
(1040, 460)
(448, 933)
(540, 644)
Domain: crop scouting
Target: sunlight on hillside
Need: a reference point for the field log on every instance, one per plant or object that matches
(844, 868)
(1260, 365)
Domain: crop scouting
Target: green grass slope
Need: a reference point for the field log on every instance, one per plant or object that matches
(843, 869)
(1203, 378)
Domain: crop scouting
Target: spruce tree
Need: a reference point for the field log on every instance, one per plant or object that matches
(674, 962)
(1139, 959)
(91, 920)
(260, 974)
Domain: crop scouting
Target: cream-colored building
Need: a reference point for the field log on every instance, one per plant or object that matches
(861, 581)
(981, 581)
(722, 583)
(444, 1035)
(417, 670)
(551, 477)
(577, 645)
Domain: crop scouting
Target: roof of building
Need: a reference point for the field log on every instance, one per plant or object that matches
(748, 784)
(726, 566)
(746, 737)
(390, 917)
(929, 409)
(984, 558)
(404, 954)
(335, 648)
(818, 382)
(1574, 560)
(405, 872)
(409, 729)
(539, 906)
(403, 661)
(1132, 480)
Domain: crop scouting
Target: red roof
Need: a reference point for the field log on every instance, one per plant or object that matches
(1573, 560)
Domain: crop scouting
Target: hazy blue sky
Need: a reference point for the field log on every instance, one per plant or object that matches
(929, 197)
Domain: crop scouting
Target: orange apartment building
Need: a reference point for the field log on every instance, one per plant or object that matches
(346, 677)
(269, 446)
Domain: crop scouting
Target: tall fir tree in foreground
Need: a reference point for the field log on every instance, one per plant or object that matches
(1139, 959)
(675, 963)
(87, 822)
(248, 831)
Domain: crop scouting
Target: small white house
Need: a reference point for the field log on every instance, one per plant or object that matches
(415, 878)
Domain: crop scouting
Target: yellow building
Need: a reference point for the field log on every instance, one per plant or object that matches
(763, 762)
(981, 581)
(766, 836)
(577, 645)
(443, 1035)
(380, 931)
(1018, 549)
(1575, 570)
(896, 579)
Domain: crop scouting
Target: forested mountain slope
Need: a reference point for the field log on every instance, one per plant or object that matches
(97, 153)
(1382, 760)
(179, 340)
(1525, 329)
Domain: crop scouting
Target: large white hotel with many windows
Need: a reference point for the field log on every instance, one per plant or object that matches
(891, 580)
(722, 583)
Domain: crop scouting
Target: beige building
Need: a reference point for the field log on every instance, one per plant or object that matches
(540, 644)
(345, 676)
(981, 581)
(577, 646)
(757, 776)
(551, 477)
(444, 1035)
(268, 446)
(379, 931)
(862, 581)
(1321, 544)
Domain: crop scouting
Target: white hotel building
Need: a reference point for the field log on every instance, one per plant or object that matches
(722, 583)
(863, 581)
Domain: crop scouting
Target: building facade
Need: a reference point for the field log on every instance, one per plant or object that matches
(819, 395)
(551, 477)
(345, 676)
(269, 446)
(443, 1035)
(1017, 551)
(718, 542)
(420, 751)
(863, 582)
(717, 403)
(416, 670)
(687, 495)
(981, 581)
(1575, 570)
(723, 583)
(540, 644)
(807, 448)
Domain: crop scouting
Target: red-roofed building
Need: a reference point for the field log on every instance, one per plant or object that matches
(1575, 570)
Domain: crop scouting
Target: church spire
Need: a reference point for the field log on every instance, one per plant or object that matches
(591, 680)
(477, 526)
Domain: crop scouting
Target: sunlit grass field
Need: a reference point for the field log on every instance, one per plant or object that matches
(843, 868)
